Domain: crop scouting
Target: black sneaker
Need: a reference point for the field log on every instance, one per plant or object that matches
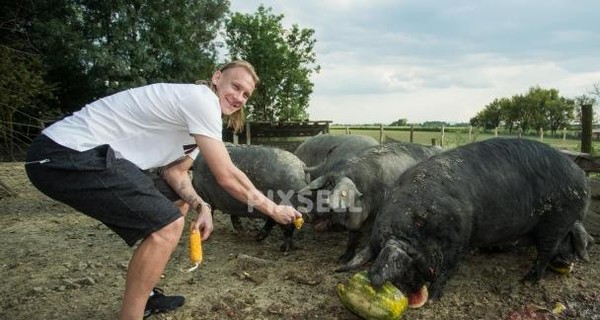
(159, 303)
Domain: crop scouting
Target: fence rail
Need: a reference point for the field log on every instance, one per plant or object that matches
(450, 137)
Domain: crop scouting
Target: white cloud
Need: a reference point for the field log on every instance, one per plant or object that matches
(440, 60)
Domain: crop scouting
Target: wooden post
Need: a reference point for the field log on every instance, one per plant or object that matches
(586, 128)
(564, 135)
(541, 134)
(412, 131)
(470, 133)
(381, 133)
(347, 129)
(520, 132)
(248, 142)
(443, 136)
(496, 132)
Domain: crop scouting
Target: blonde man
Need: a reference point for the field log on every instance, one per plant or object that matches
(96, 160)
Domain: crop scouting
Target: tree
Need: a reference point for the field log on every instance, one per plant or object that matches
(595, 92)
(538, 108)
(95, 48)
(22, 88)
(490, 117)
(559, 112)
(400, 122)
(284, 61)
(582, 100)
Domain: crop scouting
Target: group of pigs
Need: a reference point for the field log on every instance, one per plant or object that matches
(422, 207)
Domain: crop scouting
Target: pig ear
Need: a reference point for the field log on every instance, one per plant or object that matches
(582, 240)
(385, 268)
(349, 186)
(318, 183)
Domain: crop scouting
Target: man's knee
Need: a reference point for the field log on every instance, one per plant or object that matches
(171, 232)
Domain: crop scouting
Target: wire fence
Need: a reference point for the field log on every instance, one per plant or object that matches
(450, 137)
(17, 130)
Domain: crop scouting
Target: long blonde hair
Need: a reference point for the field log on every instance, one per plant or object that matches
(236, 119)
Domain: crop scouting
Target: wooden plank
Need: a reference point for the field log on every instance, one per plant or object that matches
(592, 219)
(585, 161)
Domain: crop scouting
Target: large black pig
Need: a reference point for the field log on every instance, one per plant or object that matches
(351, 195)
(277, 173)
(478, 195)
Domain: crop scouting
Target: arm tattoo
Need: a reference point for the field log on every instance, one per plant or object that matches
(187, 193)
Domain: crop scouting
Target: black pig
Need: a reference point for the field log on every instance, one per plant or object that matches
(478, 195)
(277, 173)
(353, 193)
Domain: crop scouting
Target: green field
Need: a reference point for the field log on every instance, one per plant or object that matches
(454, 138)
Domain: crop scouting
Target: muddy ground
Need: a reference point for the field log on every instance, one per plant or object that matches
(59, 264)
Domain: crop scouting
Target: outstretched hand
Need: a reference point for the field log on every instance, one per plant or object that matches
(285, 214)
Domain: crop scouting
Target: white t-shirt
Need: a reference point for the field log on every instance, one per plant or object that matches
(148, 125)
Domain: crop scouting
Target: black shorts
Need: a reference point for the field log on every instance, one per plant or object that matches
(131, 202)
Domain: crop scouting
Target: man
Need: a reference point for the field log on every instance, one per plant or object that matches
(95, 161)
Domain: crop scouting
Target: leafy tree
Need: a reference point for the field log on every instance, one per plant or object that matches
(400, 122)
(490, 117)
(559, 113)
(95, 48)
(22, 88)
(538, 108)
(283, 58)
(581, 100)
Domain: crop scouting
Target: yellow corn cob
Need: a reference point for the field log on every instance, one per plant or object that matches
(298, 222)
(195, 249)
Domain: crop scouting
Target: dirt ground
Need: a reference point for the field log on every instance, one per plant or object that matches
(59, 264)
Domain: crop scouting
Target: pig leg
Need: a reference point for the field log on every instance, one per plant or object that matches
(262, 234)
(236, 223)
(266, 230)
(353, 241)
(436, 286)
(288, 243)
(547, 243)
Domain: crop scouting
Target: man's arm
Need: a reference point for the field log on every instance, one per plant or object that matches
(177, 176)
(237, 184)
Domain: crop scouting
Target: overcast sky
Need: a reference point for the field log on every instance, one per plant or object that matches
(429, 60)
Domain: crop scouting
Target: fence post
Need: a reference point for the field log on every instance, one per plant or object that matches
(564, 135)
(496, 132)
(586, 128)
(470, 133)
(248, 142)
(443, 136)
(541, 134)
(381, 133)
(412, 131)
(347, 129)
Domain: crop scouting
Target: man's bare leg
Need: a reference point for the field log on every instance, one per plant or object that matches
(146, 266)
